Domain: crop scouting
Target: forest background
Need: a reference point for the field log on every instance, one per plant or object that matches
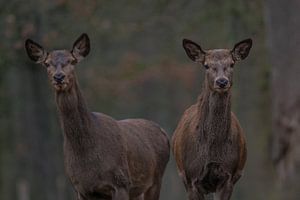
(137, 68)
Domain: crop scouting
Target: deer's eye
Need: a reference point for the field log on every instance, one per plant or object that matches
(206, 66)
(47, 64)
(231, 65)
(73, 62)
(70, 62)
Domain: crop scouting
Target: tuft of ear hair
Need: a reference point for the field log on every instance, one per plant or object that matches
(193, 50)
(81, 47)
(35, 51)
(241, 49)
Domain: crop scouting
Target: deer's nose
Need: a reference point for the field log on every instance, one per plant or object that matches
(222, 82)
(59, 77)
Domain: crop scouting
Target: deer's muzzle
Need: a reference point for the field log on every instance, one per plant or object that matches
(59, 77)
(222, 82)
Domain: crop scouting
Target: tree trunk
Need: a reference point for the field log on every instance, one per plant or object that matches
(284, 36)
(29, 167)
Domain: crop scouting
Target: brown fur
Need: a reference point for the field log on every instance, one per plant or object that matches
(208, 143)
(104, 158)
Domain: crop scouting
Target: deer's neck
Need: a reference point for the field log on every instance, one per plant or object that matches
(74, 116)
(214, 110)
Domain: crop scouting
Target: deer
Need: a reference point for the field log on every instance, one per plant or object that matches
(209, 144)
(104, 158)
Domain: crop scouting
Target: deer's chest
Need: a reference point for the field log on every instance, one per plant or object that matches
(203, 149)
(92, 171)
(84, 171)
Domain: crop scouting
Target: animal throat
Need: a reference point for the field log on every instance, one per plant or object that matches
(214, 113)
(74, 116)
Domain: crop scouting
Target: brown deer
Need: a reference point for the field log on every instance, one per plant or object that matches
(104, 158)
(208, 143)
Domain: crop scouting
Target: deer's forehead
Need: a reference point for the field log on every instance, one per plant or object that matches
(59, 57)
(222, 56)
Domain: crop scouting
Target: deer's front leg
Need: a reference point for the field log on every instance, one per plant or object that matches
(237, 176)
(193, 194)
(195, 191)
(121, 194)
(79, 197)
(224, 192)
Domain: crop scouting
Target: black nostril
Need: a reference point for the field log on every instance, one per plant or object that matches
(59, 77)
(222, 82)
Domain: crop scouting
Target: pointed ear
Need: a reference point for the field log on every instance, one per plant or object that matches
(35, 51)
(241, 49)
(81, 47)
(193, 50)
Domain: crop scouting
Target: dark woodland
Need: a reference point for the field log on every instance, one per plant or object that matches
(137, 68)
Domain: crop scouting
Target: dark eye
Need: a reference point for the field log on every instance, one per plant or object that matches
(206, 66)
(69, 62)
(73, 62)
(231, 65)
(47, 64)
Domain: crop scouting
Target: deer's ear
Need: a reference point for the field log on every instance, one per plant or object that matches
(193, 50)
(35, 51)
(81, 47)
(241, 49)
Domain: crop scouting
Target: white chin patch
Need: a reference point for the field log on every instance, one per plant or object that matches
(60, 87)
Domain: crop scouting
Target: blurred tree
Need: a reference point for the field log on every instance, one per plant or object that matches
(283, 39)
(137, 68)
(28, 171)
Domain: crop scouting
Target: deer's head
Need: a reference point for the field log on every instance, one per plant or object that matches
(59, 63)
(218, 62)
